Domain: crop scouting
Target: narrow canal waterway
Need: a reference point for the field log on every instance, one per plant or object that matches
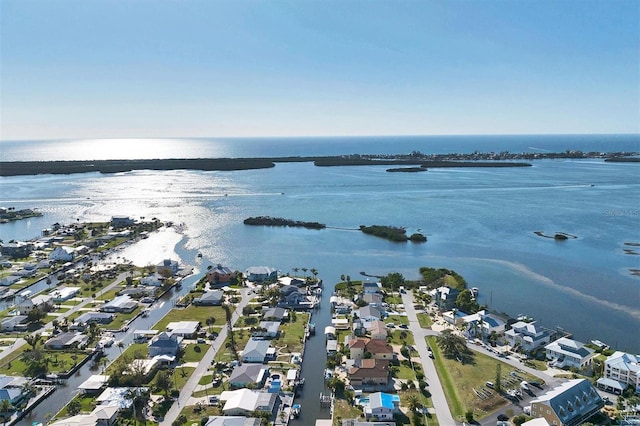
(313, 365)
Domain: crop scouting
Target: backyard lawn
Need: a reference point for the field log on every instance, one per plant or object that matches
(193, 313)
(400, 337)
(424, 320)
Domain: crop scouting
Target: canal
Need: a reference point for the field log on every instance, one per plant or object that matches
(313, 365)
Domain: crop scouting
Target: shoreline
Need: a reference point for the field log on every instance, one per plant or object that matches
(490, 159)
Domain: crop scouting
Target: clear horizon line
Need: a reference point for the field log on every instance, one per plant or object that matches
(321, 136)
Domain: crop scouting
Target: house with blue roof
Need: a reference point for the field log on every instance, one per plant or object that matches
(380, 406)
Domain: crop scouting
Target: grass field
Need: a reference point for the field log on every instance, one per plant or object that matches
(424, 320)
(397, 319)
(193, 313)
(194, 353)
(399, 337)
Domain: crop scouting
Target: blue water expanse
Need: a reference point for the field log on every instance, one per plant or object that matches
(150, 148)
(480, 222)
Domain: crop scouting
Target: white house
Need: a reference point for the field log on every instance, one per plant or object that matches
(255, 351)
(528, 336)
(261, 273)
(482, 324)
(565, 352)
(41, 302)
(62, 254)
(381, 406)
(624, 368)
(63, 293)
(243, 402)
(186, 329)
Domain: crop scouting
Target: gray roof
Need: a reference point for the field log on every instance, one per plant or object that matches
(572, 400)
(247, 373)
(256, 348)
(92, 316)
(278, 313)
(369, 311)
(233, 421)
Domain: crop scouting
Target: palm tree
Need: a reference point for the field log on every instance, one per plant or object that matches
(120, 346)
(32, 340)
(413, 403)
(295, 270)
(163, 382)
(305, 271)
(314, 271)
(5, 407)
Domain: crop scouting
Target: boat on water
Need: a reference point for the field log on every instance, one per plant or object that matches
(474, 292)
(312, 328)
(295, 411)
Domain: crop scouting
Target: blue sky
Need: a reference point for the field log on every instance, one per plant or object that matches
(146, 68)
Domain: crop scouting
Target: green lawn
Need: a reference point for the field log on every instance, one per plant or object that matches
(397, 319)
(399, 337)
(405, 372)
(424, 320)
(344, 410)
(59, 361)
(195, 353)
(292, 334)
(206, 379)
(194, 415)
(109, 295)
(224, 354)
(181, 375)
(193, 313)
(459, 380)
(393, 300)
(121, 319)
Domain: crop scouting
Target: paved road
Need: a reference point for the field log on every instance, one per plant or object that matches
(435, 387)
(188, 389)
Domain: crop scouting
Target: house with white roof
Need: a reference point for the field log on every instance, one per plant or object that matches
(233, 421)
(153, 280)
(187, 329)
(62, 254)
(482, 324)
(42, 301)
(566, 353)
(12, 389)
(527, 336)
(269, 329)
(63, 293)
(122, 303)
(624, 368)
(569, 404)
(100, 416)
(243, 402)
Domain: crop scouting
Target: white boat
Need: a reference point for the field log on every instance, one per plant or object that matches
(295, 411)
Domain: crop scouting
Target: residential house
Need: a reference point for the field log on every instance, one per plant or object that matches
(9, 280)
(100, 416)
(358, 328)
(378, 330)
(165, 344)
(370, 288)
(63, 293)
(66, 341)
(14, 323)
(94, 384)
(276, 314)
(356, 422)
(293, 297)
(332, 347)
(220, 275)
(527, 336)
(569, 404)
(290, 281)
(445, 298)
(124, 304)
(340, 323)
(210, 298)
(381, 406)
(16, 250)
(233, 421)
(153, 280)
(62, 254)
(251, 376)
(121, 221)
(374, 299)
(186, 329)
(368, 372)
(330, 333)
(255, 351)
(244, 402)
(623, 368)
(42, 302)
(482, 324)
(94, 317)
(360, 347)
(566, 353)
(269, 329)
(369, 313)
(261, 274)
(13, 389)
(168, 264)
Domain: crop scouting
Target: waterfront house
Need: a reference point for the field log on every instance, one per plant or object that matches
(283, 281)
(102, 415)
(209, 298)
(482, 324)
(42, 302)
(378, 330)
(13, 389)
(330, 333)
(381, 406)
(374, 299)
(63, 293)
(14, 323)
(168, 264)
(623, 368)
(358, 328)
(152, 280)
(258, 274)
(94, 317)
(369, 313)
(9, 280)
(62, 254)
(370, 288)
(566, 353)
(16, 250)
(356, 422)
(360, 348)
(340, 323)
(368, 372)
(67, 341)
(165, 344)
(527, 336)
(233, 421)
(244, 402)
(248, 376)
(94, 384)
(121, 221)
(332, 347)
(269, 329)
(293, 297)
(186, 329)
(276, 314)
(124, 304)
(255, 351)
(220, 275)
(445, 298)
(569, 404)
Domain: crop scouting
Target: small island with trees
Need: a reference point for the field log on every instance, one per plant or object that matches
(392, 233)
(10, 214)
(278, 221)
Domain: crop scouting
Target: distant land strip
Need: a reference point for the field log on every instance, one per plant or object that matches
(18, 168)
